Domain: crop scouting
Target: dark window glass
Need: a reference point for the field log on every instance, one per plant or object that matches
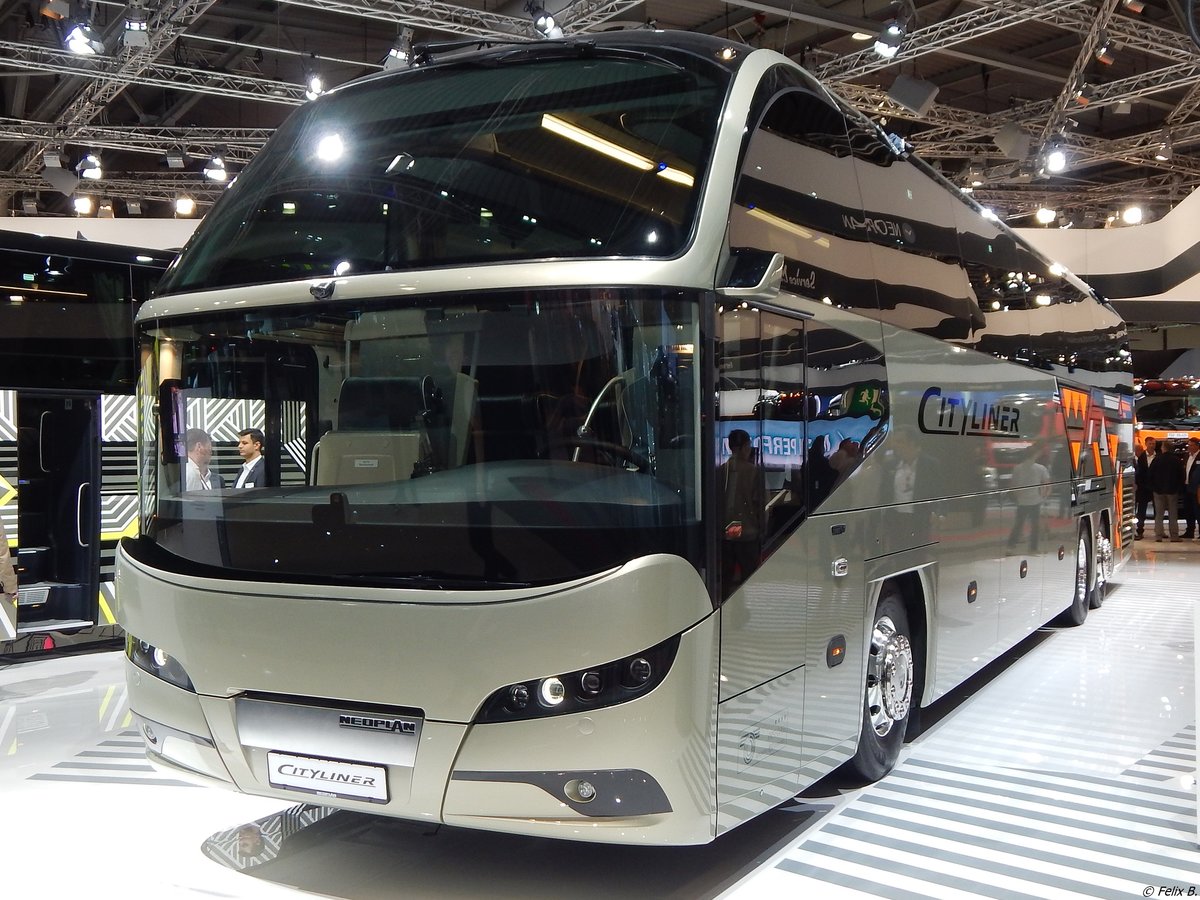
(67, 322)
(799, 405)
(508, 159)
(524, 437)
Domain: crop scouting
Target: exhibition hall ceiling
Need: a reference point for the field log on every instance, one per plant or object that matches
(980, 87)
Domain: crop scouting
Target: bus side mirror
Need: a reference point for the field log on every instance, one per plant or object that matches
(753, 275)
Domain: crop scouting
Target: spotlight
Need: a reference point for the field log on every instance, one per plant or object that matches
(1165, 149)
(1045, 215)
(1085, 95)
(137, 28)
(543, 21)
(105, 210)
(214, 169)
(29, 204)
(401, 54)
(1104, 50)
(84, 40)
(1132, 215)
(83, 205)
(1134, 6)
(1054, 157)
(89, 167)
(133, 207)
(887, 44)
(175, 159)
(184, 205)
(314, 85)
(974, 175)
(52, 159)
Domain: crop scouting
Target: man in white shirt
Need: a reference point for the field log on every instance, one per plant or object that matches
(254, 466)
(199, 457)
(1191, 484)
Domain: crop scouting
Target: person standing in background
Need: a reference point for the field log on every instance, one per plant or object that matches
(1141, 480)
(254, 465)
(200, 476)
(8, 584)
(1166, 481)
(1191, 485)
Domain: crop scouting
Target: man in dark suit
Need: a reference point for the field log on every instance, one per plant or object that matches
(1191, 484)
(1166, 481)
(1141, 479)
(254, 466)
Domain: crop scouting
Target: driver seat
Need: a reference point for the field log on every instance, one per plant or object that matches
(380, 435)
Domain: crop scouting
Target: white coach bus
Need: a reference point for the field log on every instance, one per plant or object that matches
(661, 437)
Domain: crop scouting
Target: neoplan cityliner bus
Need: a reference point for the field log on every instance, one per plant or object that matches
(508, 314)
(68, 476)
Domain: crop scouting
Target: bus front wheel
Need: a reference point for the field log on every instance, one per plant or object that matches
(1076, 613)
(888, 696)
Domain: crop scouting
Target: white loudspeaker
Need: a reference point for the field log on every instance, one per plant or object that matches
(913, 94)
(1013, 142)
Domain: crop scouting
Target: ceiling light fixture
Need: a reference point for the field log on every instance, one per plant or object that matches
(84, 40)
(175, 159)
(1166, 149)
(1134, 6)
(543, 21)
(1085, 94)
(401, 54)
(137, 27)
(1045, 215)
(29, 204)
(184, 205)
(613, 150)
(1104, 50)
(89, 167)
(133, 207)
(1132, 215)
(82, 205)
(887, 43)
(214, 169)
(314, 84)
(55, 9)
(1054, 157)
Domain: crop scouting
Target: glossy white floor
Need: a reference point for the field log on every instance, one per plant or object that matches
(1066, 770)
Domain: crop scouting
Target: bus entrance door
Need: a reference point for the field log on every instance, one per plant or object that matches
(58, 511)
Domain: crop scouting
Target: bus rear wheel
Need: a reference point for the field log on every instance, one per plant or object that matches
(1105, 564)
(888, 696)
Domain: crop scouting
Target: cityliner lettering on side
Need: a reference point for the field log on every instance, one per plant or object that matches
(944, 412)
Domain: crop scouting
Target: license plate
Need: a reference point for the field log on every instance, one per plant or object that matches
(332, 777)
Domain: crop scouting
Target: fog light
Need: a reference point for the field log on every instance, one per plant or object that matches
(518, 697)
(639, 670)
(149, 733)
(160, 658)
(551, 692)
(579, 790)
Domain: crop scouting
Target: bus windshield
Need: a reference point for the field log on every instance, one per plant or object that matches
(504, 158)
(515, 438)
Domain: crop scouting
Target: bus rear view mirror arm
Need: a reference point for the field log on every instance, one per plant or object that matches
(754, 275)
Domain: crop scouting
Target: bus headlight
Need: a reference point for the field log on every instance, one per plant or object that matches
(587, 689)
(157, 662)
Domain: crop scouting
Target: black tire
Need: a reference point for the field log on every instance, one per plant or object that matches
(1104, 568)
(1076, 613)
(888, 692)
